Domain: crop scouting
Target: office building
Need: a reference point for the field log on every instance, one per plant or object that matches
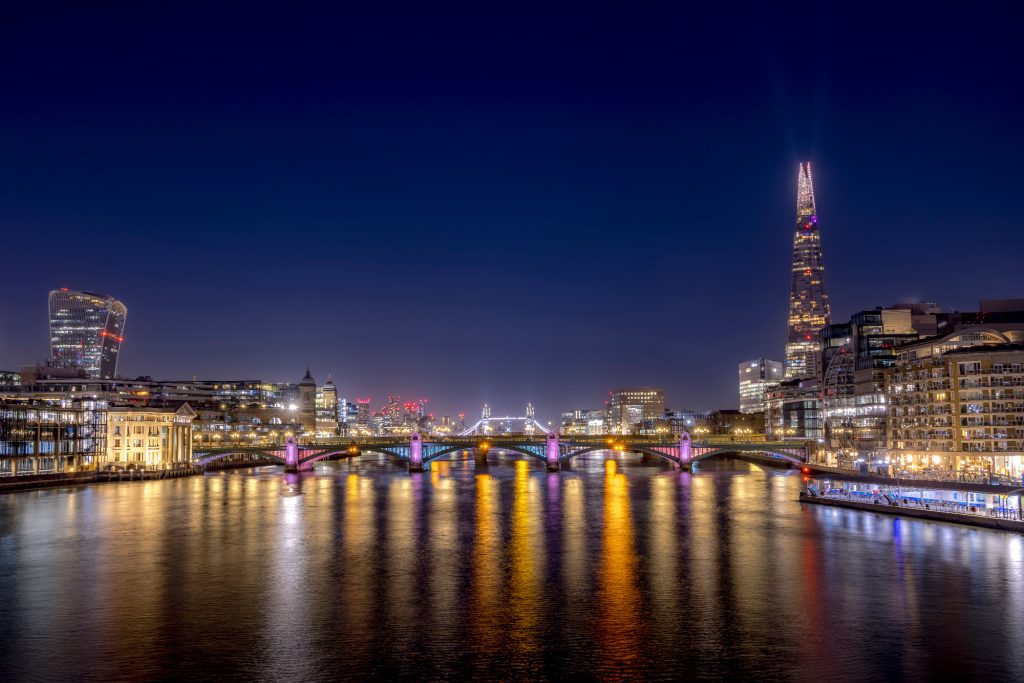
(584, 421)
(86, 332)
(855, 356)
(756, 377)
(793, 410)
(629, 409)
(808, 297)
(48, 437)
(327, 408)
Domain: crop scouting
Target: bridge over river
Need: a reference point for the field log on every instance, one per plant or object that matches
(419, 451)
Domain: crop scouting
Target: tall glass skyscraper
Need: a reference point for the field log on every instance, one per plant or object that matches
(808, 298)
(86, 331)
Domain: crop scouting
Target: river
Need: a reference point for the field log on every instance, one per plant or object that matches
(611, 569)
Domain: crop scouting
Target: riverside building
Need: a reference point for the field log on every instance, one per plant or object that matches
(957, 404)
(148, 438)
(855, 356)
(49, 437)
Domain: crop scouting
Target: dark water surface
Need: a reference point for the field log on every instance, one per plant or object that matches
(612, 570)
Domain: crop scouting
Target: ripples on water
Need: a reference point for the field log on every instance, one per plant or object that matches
(613, 569)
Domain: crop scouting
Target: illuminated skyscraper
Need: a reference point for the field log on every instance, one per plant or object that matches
(808, 298)
(86, 331)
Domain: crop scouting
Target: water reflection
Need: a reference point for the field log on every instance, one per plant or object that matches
(361, 583)
(621, 627)
(401, 577)
(527, 559)
(487, 574)
(664, 558)
(367, 572)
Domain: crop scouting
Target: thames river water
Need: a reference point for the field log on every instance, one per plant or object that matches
(611, 570)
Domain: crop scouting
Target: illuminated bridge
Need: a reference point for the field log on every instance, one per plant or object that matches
(419, 451)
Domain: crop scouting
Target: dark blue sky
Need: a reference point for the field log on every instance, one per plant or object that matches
(497, 203)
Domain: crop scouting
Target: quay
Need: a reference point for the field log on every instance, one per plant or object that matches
(936, 511)
(56, 479)
(826, 472)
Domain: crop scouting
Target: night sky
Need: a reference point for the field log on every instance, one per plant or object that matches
(497, 203)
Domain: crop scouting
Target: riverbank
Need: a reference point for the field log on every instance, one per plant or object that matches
(58, 479)
(825, 472)
(41, 481)
(977, 520)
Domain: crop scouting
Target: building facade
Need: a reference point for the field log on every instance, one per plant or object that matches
(629, 409)
(48, 437)
(855, 357)
(86, 331)
(957, 405)
(756, 378)
(306, 405)
(327, 408)
(808, 297)
(794, 411)
(148, 438)
(583, 421)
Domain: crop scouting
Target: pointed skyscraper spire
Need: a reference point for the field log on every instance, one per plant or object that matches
(808, 298)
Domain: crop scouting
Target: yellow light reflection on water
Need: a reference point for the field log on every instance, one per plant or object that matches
(358, 548)
(526, 560)
(619, 598)
(485, 617)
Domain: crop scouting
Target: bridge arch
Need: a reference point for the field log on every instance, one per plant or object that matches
(206, 459)
(767, 452)
(469, 447)
(629, 448)
(310, 459)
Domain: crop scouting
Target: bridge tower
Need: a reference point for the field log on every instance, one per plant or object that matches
(528, 426)
(552, 452)
(485, 419)
(415, 452)
(291, 455)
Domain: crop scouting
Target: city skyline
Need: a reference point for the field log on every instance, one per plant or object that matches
(517, 233)
(487, 342)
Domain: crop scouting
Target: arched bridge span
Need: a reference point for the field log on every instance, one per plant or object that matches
(419, 451)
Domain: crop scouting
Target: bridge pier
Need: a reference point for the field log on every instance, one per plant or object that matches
(685, 451)
(416, 452)
(291, 455)
(552, 452)
(480, 457)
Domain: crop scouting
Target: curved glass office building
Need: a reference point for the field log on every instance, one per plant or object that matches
(86, 331)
